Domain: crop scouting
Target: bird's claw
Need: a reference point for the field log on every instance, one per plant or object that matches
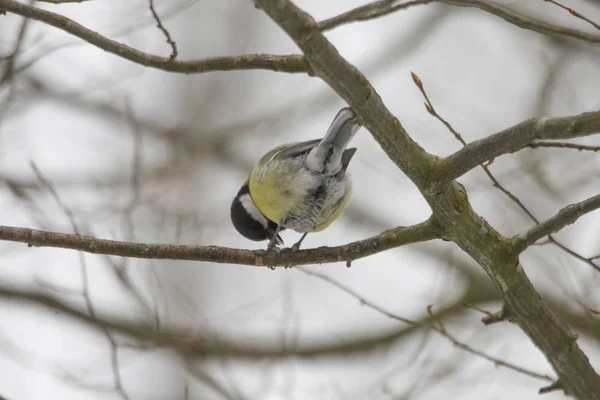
(274, 248)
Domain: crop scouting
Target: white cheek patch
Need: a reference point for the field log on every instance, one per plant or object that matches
(249, 206)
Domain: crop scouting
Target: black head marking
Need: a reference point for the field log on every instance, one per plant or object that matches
(248, 221)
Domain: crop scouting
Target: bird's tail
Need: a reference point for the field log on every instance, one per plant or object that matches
(327, 156)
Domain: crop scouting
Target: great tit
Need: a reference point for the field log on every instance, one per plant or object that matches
(301, 186)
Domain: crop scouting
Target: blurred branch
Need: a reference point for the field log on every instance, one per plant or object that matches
(524, 22)
(85, 285)
(556, 385)
(63, 1)
(286, 63)
(191, 345)
(259, 258)
(516, 138)
(10, 59)
(165, 32)
(565, 217)
(381, 8)
(440, 329)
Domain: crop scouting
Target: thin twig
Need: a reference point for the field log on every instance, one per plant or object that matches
(556, 385)
(563, 145)
(159, 25)
(114, 347)
(12, 56)
(478, 309)
(440, 329)
(286, 63)
(574, 13)
(431, 110)
(63, 1)
(381, 8)
(369, 11)
(495, 182)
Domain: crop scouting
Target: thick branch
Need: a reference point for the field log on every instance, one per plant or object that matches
(287, 63)
(448, 200)
(565, 217)
(259, 258)
(326, 63)
(516, 138)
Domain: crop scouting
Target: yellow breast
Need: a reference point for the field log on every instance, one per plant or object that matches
(273, 192)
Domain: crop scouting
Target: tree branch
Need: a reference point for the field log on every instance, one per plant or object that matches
(259, 258)
(161, 27)
(186, 341)
(448, 200)
(516, 138)
(563, 145)
(565, 217)
(524, 22)
(368, 12)
(574, 13)
(381, 8)
(434, 320)
(63, 1)
(286, 63)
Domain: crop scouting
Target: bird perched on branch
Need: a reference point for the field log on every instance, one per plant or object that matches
(300, 186)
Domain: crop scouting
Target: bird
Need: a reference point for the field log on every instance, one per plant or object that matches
(301, 186)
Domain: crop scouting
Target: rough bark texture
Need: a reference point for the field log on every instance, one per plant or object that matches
(448, 200)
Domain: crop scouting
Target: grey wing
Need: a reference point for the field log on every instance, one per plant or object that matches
(298, 148)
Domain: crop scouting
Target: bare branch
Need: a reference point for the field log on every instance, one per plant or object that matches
(381, 8)
(259, 258)
(369, 11)
(556, 385)
(570, 212)
(63, 1)
(574, 13)
(563, 145)
(164, 30)
(524, 22)
(516, 138)
(448, 200)
(440, 329)
(496, 183)
(114, 348)
(565, 217)
(287, 63)
(11, 58)
(431, 110)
